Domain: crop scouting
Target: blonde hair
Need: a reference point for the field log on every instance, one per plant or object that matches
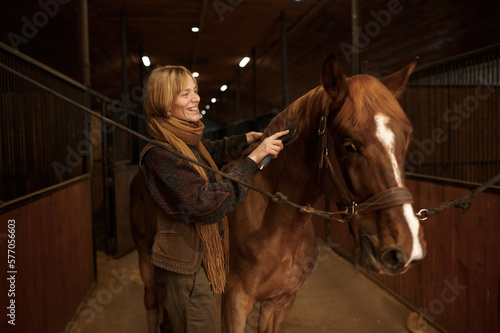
(163, 86)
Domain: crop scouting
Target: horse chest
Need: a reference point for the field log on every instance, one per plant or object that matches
(284, 270)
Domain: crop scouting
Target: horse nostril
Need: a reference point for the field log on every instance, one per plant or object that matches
(394, 258)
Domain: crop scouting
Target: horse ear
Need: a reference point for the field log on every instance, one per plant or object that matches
(334, 81)
(397, 81)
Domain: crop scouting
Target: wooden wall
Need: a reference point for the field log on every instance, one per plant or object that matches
(457, 283)
(54, 259)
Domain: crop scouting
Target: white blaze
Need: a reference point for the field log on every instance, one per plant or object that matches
(386, 136)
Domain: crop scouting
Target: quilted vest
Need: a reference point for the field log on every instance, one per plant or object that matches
(176, 245)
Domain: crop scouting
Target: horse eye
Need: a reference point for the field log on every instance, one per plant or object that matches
(351, 148)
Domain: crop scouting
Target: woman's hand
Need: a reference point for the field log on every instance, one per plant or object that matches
(270, 146)
(253, 136)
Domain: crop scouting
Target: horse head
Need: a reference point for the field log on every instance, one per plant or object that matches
(365, 135)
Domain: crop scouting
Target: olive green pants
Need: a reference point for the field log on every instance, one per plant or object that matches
(188, 300)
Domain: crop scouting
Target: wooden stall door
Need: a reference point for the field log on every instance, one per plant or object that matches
(54, 260)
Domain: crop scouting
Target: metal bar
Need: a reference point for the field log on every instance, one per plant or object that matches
(42, 66)
(134, 120)
(284, 60)
(459, 57)
(238, 95)
(84, 34)
(254, 70)
(21, 201)
(450, 181)
(84, 43)
(199, 35)
(313, 12)
(123, 44)
(31, 160)
(106, 169)
(355, 37)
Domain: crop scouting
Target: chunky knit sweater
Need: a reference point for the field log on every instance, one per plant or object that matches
(179, 190)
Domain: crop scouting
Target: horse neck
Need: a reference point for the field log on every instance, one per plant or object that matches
(295, 172)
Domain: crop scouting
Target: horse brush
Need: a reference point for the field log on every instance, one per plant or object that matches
(286, 139)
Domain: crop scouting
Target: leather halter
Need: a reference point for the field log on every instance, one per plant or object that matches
(387, 198)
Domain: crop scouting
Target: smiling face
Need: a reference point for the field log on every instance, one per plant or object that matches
(172, 91)
(185, 104)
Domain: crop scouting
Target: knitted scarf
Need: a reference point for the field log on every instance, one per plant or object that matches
(179, 134)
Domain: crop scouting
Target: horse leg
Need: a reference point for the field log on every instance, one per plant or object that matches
(146, 269)
(273, 313)
(236, 305)
(150, 296)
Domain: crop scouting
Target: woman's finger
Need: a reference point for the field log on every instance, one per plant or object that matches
(279, 134)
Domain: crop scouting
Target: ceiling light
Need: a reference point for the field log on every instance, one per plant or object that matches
(146, 61)
(213, 100)
(244, 62)
(207, 107)
(203, 112)
(195, 29)
(196, 74)
(223, 87)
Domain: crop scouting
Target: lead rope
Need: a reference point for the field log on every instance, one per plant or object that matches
(462, 203)
(423, 214)
(278, 197)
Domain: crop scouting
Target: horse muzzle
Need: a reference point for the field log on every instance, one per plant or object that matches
(392, 260)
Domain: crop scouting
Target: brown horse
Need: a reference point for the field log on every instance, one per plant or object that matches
(352, 140)
(353, 137)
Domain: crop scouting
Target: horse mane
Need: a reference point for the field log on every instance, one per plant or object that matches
(301, 112)
(367, 97)
(297, 112)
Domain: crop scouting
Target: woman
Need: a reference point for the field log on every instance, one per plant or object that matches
(189, 204)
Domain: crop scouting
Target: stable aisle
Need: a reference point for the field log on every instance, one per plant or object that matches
(335, 298)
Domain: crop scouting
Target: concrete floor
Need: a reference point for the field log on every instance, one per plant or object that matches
(335, 298)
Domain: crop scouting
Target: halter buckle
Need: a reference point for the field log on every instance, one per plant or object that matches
(322, 125)
(352, 209)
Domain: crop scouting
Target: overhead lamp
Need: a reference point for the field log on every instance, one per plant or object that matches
(146, 61)
(213, 100)
(195, 29)
(196, 74)
(207, 106)
(203, 112)
(223, 87)
(244, 61)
